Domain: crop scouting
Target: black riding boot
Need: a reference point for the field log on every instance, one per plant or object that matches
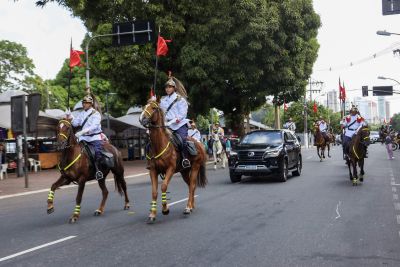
(98, 175)
(185, 160)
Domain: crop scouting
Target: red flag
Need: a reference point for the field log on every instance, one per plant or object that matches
(315, 107)
(162, 47)
(75, 58)
(152, 94)
(343, 92)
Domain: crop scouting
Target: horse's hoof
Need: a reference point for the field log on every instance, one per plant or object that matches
(97, 213)
(187, 211)
(72, 220)
(127, 207)
(165, 212)
(355, 182)
(361, 179)
(50, 210)
(320, 160)
(151, 220)
(329, 156)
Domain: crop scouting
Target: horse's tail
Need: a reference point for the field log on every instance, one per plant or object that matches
(119, 181)
(201, 177)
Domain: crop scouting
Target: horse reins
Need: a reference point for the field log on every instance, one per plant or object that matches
(68, 146)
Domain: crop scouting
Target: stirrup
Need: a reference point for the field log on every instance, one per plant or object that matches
(99, 175)
(185, 163)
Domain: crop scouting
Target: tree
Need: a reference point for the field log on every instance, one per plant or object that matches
(396, 122)
(228, 53)
(15, 65)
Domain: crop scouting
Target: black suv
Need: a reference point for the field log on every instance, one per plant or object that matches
(266, 151)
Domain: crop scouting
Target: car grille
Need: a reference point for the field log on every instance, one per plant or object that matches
(244, 155)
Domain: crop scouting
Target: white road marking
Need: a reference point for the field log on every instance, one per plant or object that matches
(393, 183)
(67, 186)
(179, 201)
(395, 196)
(397, 206)
(36, 248)
(394, 189)
(398, 219)
(337, 210)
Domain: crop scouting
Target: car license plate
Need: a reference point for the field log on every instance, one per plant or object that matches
(251, 167)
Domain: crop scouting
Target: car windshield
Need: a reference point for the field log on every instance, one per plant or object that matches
(374, 133)
(262, 138)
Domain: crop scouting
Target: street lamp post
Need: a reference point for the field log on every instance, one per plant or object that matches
(385, 33)
(108, 114)
(386, 78)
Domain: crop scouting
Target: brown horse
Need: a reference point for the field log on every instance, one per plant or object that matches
(164, 158)
(356, 154)
(322, 143)
(74, 167)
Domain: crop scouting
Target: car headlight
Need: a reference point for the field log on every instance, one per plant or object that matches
(233, 153)
(272, 153)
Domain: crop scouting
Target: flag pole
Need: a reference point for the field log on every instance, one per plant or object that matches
(156, 67)
(70, 75)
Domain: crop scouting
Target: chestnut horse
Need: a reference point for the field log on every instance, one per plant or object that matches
(321, 143)
(356, 154)
(164, 158)
(74, 167)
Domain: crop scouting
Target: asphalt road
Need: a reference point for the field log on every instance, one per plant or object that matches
(317, 219)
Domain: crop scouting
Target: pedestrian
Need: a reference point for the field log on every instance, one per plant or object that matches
(193, 131)
(388, 143)
(228, 147)
(2, 155)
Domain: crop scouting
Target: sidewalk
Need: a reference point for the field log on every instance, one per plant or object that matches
(44, 179)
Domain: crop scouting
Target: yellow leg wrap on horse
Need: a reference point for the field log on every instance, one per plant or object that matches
(153, 206)
(51, 195)
(164, 198)
(77, 209)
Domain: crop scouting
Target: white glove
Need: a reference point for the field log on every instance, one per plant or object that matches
(79, 134)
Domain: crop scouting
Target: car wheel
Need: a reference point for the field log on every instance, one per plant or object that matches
(235, 178)
(283, 170)
(299, 166)
(395, 146)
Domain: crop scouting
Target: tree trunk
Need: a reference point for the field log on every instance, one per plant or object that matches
(277, 124)
(247, 123)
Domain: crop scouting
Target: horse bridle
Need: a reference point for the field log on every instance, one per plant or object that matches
(64, 136)
(156, 108)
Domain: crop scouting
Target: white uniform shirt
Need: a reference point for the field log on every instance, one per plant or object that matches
(218, 131)
(323, 127)
(177, 112)
(290, 125)
(351, 130)
(195, 134)
(92, 125)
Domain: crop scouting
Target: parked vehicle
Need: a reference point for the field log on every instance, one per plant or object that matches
(263, 152)
(374, 137)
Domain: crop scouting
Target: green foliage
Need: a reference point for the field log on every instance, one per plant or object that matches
(229, 54)
(202, 124)
(296, 112)
(15, 65)
(396, 122)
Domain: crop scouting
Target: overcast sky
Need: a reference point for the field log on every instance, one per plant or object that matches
(348, 34)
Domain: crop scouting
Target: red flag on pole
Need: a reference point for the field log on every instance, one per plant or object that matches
(315, 107)
(162, 47)
(75, 58)
(343, 92)
(152, 94)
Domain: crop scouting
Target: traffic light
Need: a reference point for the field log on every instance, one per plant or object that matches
(365, 91)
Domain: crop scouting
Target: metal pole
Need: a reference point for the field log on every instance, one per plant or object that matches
(108, 114)
(25, 142)
(87, 51)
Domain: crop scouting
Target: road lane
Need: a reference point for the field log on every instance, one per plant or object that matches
(257, 222)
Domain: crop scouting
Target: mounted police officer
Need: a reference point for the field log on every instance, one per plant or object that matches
(351, 124)
(89, 120)
(290, 125)
(175, 108)
(323, 128)
(194, 132)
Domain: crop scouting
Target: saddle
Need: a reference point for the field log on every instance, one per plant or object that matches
(106, 160)
(177, 141)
